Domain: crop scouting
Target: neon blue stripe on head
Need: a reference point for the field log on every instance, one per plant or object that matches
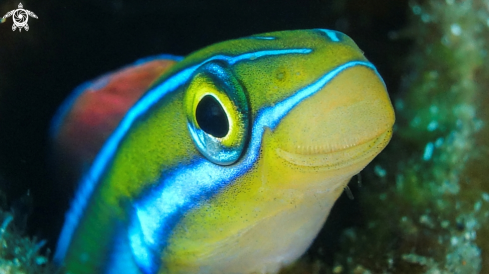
(92, 177)
(262, 37)
(332, 35)
(158, 211)
(259, 54)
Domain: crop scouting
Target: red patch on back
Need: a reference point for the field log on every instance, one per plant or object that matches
(97, 111)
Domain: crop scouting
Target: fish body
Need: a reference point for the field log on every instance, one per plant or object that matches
(226, 161)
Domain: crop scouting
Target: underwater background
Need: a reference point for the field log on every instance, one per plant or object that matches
(422, 205)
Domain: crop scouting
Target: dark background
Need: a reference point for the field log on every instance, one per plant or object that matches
(74, 41)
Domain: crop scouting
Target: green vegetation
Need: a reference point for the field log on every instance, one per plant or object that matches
(19, 254)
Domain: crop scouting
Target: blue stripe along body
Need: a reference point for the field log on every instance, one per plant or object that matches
(163, 182)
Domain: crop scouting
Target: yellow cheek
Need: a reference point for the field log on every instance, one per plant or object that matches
(350, 110)
(256, 218)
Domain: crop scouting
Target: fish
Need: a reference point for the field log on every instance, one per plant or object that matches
(226, 161)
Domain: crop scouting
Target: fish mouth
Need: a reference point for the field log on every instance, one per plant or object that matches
(346, 123)
(323, 157)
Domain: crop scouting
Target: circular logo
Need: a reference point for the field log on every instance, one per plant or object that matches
(20, 18)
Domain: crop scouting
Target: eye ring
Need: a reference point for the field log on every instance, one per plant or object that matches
(217, 112)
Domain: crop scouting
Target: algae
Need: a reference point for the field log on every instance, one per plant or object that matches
(426, 202)
(20, 254)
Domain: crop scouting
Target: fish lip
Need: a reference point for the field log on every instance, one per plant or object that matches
(337, 159)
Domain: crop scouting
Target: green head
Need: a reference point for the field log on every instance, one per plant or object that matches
(231, 161)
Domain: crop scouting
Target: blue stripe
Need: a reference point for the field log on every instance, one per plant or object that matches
(263, 37)
(121, 253)
(92, 177)
(68, 103)
(158, 211)
(332, 35)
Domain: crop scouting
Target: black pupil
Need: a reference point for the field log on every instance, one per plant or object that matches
(211, 117)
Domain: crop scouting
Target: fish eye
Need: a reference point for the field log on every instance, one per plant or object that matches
(217, 113)
(211, 117)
